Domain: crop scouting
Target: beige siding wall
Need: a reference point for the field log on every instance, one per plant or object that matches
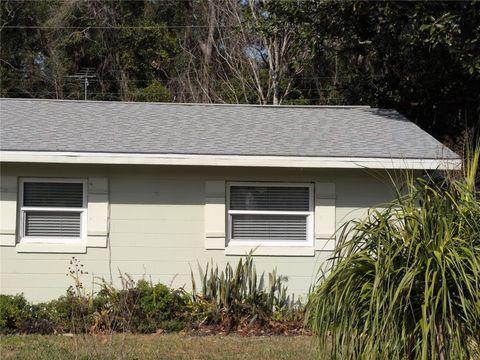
(157, 225)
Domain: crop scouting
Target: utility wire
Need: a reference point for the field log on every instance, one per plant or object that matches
(119, 27)
(66, 96)
(172, 2)
(166, 81)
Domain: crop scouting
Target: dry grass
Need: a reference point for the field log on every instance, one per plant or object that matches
(171, 346)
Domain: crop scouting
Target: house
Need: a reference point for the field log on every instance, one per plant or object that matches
(151, 189)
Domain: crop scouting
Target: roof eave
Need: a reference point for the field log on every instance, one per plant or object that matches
(228, 160)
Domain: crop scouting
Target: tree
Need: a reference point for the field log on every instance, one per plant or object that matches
(261, 50)
(22, 51)
(417, 57)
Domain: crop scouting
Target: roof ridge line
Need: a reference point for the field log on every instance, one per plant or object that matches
(191, 104)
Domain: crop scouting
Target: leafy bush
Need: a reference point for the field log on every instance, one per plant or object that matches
(71, 312)
(43, 319)
(18, 315)
(14, 311)
(137, 307)
(140, 307)
(405, 283)
(233, 297)
(160, 308)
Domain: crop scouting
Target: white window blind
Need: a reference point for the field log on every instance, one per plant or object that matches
(63, 224)
(278, 198)
(51, 194)
(52, 210)
(269, 227)
(273, 214)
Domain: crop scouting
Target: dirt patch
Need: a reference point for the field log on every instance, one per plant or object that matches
(273, 328)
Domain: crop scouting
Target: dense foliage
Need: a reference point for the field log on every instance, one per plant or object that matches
(229, 299)
(418, 57)
(13, 312)
(142, 308)
(405, 281)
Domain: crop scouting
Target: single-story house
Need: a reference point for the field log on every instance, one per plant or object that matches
(151, 189)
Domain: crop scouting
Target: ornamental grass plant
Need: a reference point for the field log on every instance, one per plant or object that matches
(236, 296)
(404, 282)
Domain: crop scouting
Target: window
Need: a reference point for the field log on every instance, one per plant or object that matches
(270, 214)
(53, 210)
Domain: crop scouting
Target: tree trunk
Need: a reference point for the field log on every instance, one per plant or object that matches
(207, 47)
(440, 338)
(276, 72)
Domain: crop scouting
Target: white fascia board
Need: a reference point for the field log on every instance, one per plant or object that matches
(227, 160)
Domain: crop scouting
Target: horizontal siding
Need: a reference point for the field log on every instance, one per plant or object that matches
(135, 267)
(158, 240)
(157, 226)
(49, 266)
(151, 226)
(157, 212)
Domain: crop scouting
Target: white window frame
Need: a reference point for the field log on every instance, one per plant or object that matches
(255, 242)
(53, 239)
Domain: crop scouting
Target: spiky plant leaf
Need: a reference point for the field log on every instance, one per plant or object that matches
(405, 281)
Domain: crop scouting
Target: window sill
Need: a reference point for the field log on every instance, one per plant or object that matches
(51, 248)
(270, 250)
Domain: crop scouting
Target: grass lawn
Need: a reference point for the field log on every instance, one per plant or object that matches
(171, 346)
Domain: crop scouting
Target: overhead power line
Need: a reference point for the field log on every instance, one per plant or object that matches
(182, 93)
(117, 27)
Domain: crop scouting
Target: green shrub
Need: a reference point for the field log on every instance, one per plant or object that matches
(17, 315)
(137, 307)
(234, 297)
(140, 307)
(405, 283)
(71, 312)
(159, 308)
(43, 319)
(14, 311)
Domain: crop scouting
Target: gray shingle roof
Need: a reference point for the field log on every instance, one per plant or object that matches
(121, 127)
